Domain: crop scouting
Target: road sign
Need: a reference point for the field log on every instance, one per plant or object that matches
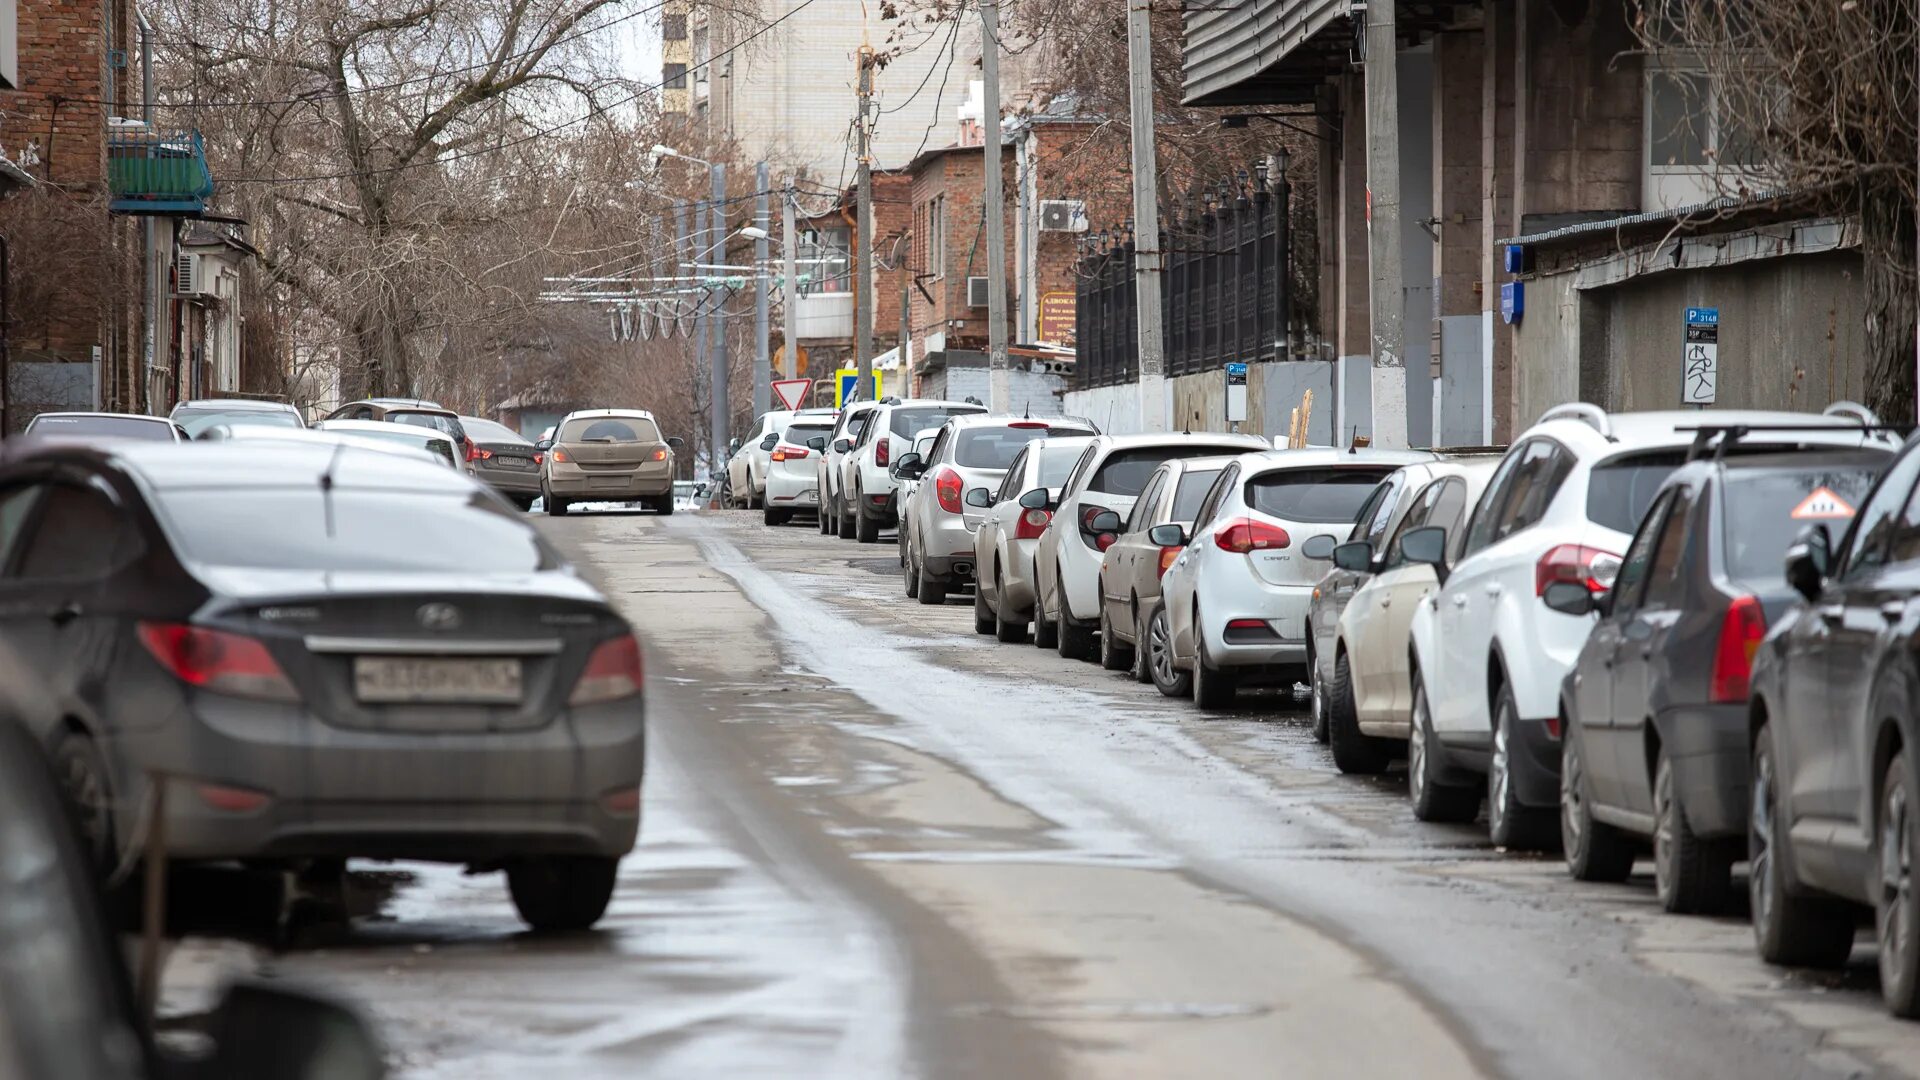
(1823, 504)
(1700, 371)
(845, 381)
(792, 393)
(1236, 393)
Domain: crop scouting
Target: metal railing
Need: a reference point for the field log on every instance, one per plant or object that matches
(152, 172)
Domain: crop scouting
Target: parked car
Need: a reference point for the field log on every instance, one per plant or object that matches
(827, 472)
(1489, 656)
(505, 460)
(1655, 717)
(192, 416)
(1111, 473)
(608, 455)
(1368, 699)
(905, 488)
(746, 482)
(278, 629)
(866, 470)
(790, 483)
(1233, 606)
(437, 443)
(1004, 544)
(957, 476)
(106, 425)
(1155, 534)
(416, 412)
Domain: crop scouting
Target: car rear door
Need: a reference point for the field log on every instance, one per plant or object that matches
(1643, 630)
(1460, 608)
(1119, 575)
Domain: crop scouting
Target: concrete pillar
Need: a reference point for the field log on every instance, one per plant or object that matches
(1353, 375)
(1497, 219)
(1458, 71)
(1327, 219)
(1417, 143)
(1578, 105)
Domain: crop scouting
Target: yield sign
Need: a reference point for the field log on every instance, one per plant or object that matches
(791, 393)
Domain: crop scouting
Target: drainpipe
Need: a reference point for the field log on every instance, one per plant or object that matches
(140, 399)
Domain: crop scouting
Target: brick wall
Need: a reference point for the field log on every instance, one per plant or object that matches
(954, 178)
(61, 104)
(1578, 110)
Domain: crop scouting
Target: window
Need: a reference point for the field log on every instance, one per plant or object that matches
(937, 236)
(80, 534)
(1372, 519)
(1535, 481)
(1142, 515)
(1319, 496)
(1666, 574)
(1866, 544)
(1627, 586)
(1056, 464)
(673, 28)
(1215, 496)
(940, 444)
(1480, 528)
(1619, 491)
(1757, 523)
(1125, 472)
(125, 427)
(1194, 485)
(908, 422)
(993, 447)
(673, 77)
(1072, 482)
(1417, 515)
(616, 429)
(1679, 119)
(1016, 476)
(825, 264)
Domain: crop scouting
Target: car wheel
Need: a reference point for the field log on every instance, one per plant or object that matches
(1045, 633)
(1433, 799)
(560, 893)
(1797, 931)
(1142, 672)
(843, 518)
(1690, 875)
(932, 590)
(664, 504)
(1353, 751)
(983, 620)
(83, 780)
(866, 530)
(911, 570)
(771, 516)
(1213, 688)
(1115, 655)
(1168, 679)
(1317, 699)
(1005, 629)
(1073, 640)
(1510, 823)
(1896, 916)
(1595, 850)
(556, 507)
(823, 515)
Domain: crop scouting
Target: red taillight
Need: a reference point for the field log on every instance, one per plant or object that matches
(789, 453)
(1103, 541)
(946, 488)
(231, 800)
(482, 454)
(1028, 425)
(539, 458)
(660, 454)
(473, 452)
(612, 672)
(560, 455)
(1741, 631)
(1579, 564)
(1167, 556)
(1031, 524)
(883, 451)
(218, 661)
(621, 801)
(1247, 624)
(1243, 536)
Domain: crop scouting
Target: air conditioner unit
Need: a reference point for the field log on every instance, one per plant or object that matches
(190, 275)
(1063, 215)
(978, 292)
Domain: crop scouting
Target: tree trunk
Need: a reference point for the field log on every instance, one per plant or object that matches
(1888, 246)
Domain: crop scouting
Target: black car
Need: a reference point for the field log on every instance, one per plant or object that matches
(1655, 707)
(1836, 770)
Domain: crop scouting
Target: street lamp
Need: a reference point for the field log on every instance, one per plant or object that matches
(661, 150)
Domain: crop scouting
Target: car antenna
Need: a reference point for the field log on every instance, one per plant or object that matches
(326, 485)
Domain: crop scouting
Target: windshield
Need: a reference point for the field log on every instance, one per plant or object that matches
(125, 427)
(615, 429)
(1126, 472)
(1192, 492)
(993, 447)
(1056, 463)
(1316, 496)
(1619, 491)
(1766, 510)
(907, 422)
(196, 421)
(798, 434)
(288, 529)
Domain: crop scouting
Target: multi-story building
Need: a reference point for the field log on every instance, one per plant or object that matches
(676, 58)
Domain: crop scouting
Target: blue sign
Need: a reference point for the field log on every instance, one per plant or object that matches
(1513, 301)
(1237, 369)
(1703, 316)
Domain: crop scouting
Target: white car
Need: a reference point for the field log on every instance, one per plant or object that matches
(826, 470)
(1233, 606)
(1111, 473)
(790, 482)
(906, 487)
(747, 459)
(1488, 655)
(432, 440)
(1004, 544)
(866, 471)
(419, 444)
(1367, 697)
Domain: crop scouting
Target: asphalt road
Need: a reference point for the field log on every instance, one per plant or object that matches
(877, 845)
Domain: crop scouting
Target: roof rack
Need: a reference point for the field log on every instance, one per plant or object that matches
(1593, 414)
(1733, 433)
(1854, 409)
(1462, 451)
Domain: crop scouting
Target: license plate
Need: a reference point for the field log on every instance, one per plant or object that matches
(611, 483)
(433, 680)
(514, 462)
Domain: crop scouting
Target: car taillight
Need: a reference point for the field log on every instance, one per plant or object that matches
(612, 672)
(660, 454)
(539, 458)
(1028, 425)
(472, 451)
(946, 488)
(883, 451)
(1577, 563)
(1103, 541)
(1031, 524)
(560, 455)
(482, 454)
(216, 660)
(1167, 556)
(789, 453)
(1244, 536)
(1742, 629)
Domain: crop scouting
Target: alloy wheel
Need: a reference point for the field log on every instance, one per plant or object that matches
(1760, 862)
(1663, 818)
(1160, 649)
(1499, 776)
(1573, 805)
(1896, 882)
(1417, 747)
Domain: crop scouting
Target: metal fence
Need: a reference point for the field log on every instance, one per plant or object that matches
(1225, 296)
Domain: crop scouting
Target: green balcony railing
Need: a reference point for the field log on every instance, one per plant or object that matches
(158, 172)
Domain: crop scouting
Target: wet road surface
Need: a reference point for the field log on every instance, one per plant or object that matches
(875, 844)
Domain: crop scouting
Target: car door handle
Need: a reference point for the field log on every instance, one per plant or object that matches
(1493, 590)
(1892, 610)
(65, 613)
(1386, 601)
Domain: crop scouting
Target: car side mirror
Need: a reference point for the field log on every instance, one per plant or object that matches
(1318, 547)
(733, 447)
(911, 466)
(1570, 598)
(265, 1030)
(770, 441)
(818, 442)
(841, 446)
(1356, 556)
(543, 445)
(1427, 545)
(1035, 499)
(1169, 535)
(676, 441)
(980, 497)
(1106, 521)
(1809, 560)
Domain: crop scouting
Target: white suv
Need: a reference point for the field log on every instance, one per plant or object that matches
(852, 422)
(866, 477)
(1488, 655)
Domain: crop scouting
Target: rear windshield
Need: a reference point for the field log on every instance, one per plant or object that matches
(993, 447)
(1316, 496)
(798, 434)
(614, 429)
(1765, 511)
(117, 426)
(291, 529)
(439, 446)
(492, 432)
(1056, 463)
(199, 420)
(1619, 491)
(437, 421)
(1192, 492)
(1126, 472)
(907, 423)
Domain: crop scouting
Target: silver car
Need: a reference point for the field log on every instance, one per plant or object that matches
(1009, 532)
(847, 430)
(1142, 547)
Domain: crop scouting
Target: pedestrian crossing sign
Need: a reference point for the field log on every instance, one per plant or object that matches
(1821, 505)
(845, 380)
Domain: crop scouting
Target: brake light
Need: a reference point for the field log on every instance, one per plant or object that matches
(660, 454)
(946, 489)
(1031, 524)
(883, 451)
(1087, 514)
(1028, 425)
(218, 661)
(1579, 564)
(612, 672)
(539, 458)
(1167, 556)
(1244, 536)
(1103, 541)
(789, 453)
(481, 454)
(231, 800)
(560, 455)
(473, 452)
(1741, 630)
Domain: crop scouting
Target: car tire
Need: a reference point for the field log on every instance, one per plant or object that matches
(1115, 655)
(1595, 850)
(1795, 931)
(932, 590)
(1690, 875)
(562, 893)
(83, 782)
(1354, 752)
(1510, 823)
(843, 519)
(556, 507)
(1167, 678)
(1213, 688)
(983, 621)
(1005, 630)
(910, 570)
(1045, 633)
(1317, 691)
(866, 530)
(1141, 673)
(1433, 799)
(1073, 640)
(1896, 908)
(664, 504)
(774, 517)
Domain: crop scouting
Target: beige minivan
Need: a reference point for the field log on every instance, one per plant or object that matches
(608, 455)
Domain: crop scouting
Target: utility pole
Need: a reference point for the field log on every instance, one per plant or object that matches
(1387, 294)
(691, 237)
(905, 346)
(998, 397)
(789, 285)
(762, 359)
(1147, 257)
(717, 256)
(863, 240)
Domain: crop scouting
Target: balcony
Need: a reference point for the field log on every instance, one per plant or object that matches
(154, 172)
(824, 317)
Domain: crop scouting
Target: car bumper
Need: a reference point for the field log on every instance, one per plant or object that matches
(1534, 762)
(944, 535)
(1712, 766)
(1016, 578)
(951, 569)
(1282, 611)
(649, 480)
(788, 490)
(510, 483)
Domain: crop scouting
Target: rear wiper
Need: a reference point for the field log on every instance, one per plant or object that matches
(326, 486)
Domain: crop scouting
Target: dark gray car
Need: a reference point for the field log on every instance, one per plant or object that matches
(1141, 552)
(277, 630)
(504, 460)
